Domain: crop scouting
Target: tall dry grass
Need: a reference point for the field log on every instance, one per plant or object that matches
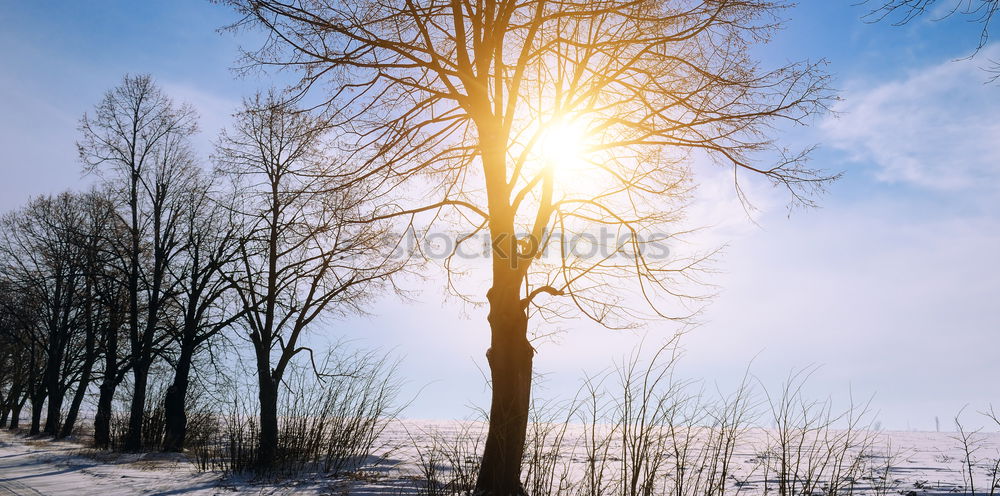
(331, 419)
(640, 430)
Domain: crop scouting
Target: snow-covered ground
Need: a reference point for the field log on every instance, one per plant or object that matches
(41, 467)
(927, 463)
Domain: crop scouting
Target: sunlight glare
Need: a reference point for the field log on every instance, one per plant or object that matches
(564, 144)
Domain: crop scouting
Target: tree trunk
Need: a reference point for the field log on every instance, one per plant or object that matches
(174, 404)
(74, 407)
(10, 403)
(137, 411)
(510, 359)
(102, 419)
(268, 396)
(37, 401)
(90, 357)
(54, 411)
(15, 413)
(106, 395)
(51, 377)
(133, 439)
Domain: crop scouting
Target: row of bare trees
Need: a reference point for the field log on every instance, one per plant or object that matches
(167, 258)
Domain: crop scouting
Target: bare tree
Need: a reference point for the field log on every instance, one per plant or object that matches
(56, 258)
(538, 118)
(203, 300)
(110, 290)
(299, 256)
(101, 310)
(44, 261)
(138, 138)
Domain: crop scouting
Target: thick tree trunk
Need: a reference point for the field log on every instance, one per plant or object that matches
(102, 418)
(106, 391)
(510, 354)
(268, 396)
(51, 377)
(510, 359)
(37, 402)
(174, 404)
(53, 413)
(137, 410)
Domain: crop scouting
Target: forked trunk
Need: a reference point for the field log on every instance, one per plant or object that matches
(510, 359)
(90, 358)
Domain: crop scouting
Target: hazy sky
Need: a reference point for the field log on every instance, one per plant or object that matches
(892, 286)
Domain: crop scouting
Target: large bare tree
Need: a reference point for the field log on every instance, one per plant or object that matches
(138, 138)
(299, 255)
(539, 117)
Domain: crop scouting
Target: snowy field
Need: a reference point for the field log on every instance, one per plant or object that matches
(925, 463)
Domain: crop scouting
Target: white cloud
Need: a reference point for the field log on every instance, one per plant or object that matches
(936, 128)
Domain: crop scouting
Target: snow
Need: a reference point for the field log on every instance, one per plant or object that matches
(927, 463)
(42, 467)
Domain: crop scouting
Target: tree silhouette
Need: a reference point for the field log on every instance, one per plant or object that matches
(139, 138)
(298, 257)
(466, 103)
(43, 260)
(203, 303)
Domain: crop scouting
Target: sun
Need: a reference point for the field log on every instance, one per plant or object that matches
(564, 144)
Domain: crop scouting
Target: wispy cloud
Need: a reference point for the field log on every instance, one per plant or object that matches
(214, 111)
(935, 128)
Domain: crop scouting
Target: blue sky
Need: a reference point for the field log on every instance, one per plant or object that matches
(892, 286)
